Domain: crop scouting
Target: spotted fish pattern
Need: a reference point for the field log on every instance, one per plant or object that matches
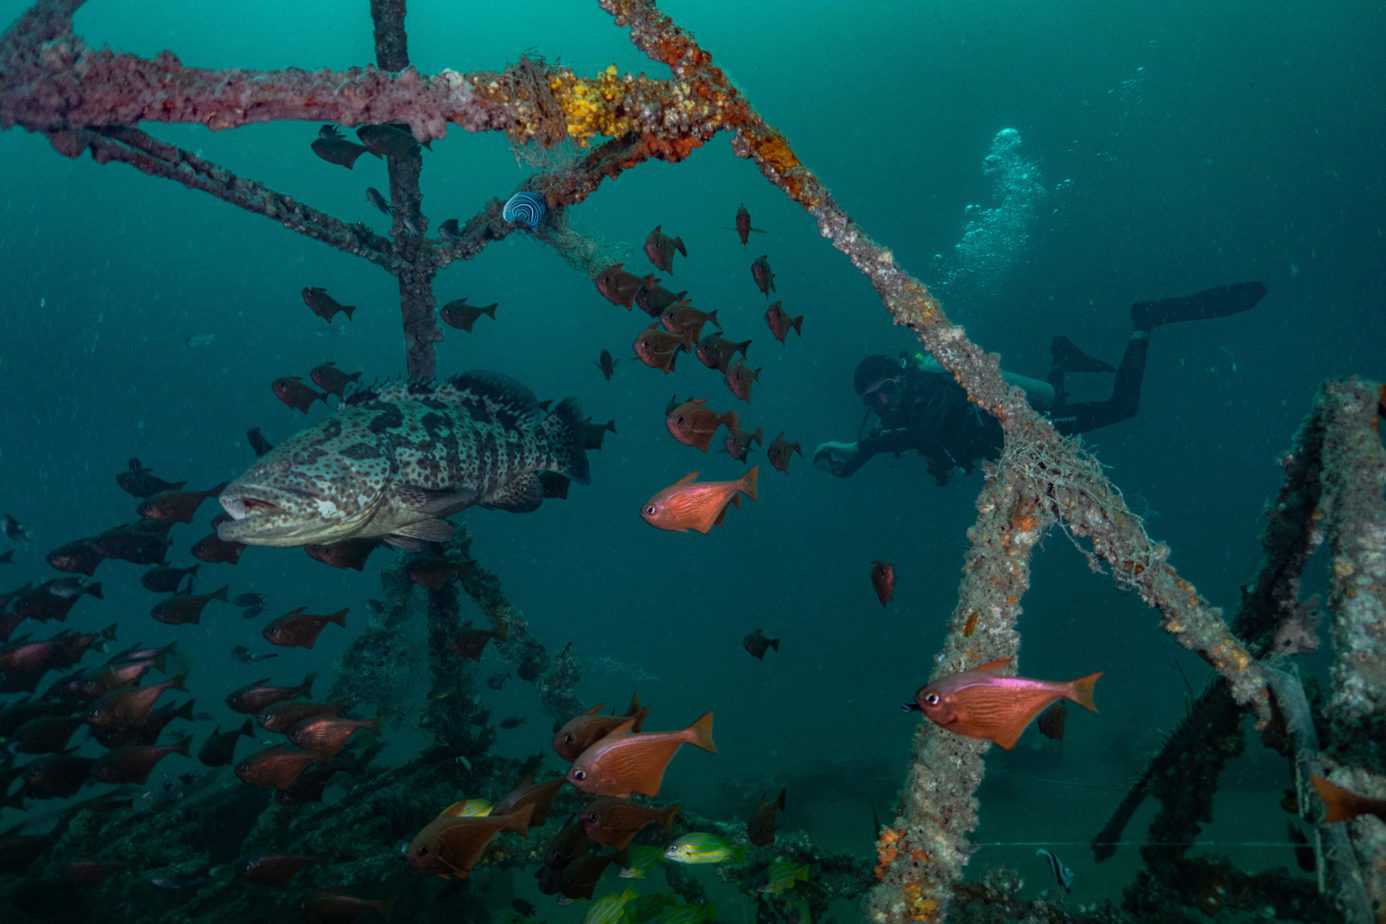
(401, 457)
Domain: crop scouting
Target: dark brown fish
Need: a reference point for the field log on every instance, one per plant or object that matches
(246, 656)
(652, 298)
(333, 148)
(177, 506)
(389, 139)
(580, 733)
(658, 349)
(780, 322)
(434, 573)
(331, 379)
(283, 716)
(134, 763)
(660, 248)
(715, 351)
(56, 776)
(984, 703)
(185, 609)
(619, 287)
(349, 553)
(471, 643)
(53, 599)
(146, 732)
(276, 869)
(593, 435)
(78, 557)
(449, 846)
(257, 696)
(324, 305)
(258, 444)
(215, 550)
(606, 364)
(686, 322)
(139, 481)
(291, 390)
(377, 199)
(625, 762)
(780, 451)
(450, 230)
(327, 735)
(297, 629)
(762, 274)
(165, 580)
(219, 749)
(1343, 804)
(694, 424)
(334, 908)
(512, 722)
(883, 581)
(90, 872)
(144, 542)
(462, 316)
(578, 879)
(45, 734)
(761, 828)
(1052, 720)
(758, 643)
(615, 822)
(738, 442)
(743, 225)
(276, 768)
(739, 378)
(130, 706)
(530, 793)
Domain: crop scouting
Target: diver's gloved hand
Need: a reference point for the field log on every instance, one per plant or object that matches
(840, 459)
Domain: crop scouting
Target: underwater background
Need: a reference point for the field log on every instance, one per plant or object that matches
(1163, 149)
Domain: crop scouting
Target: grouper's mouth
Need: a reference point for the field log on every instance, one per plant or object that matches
(261, 515)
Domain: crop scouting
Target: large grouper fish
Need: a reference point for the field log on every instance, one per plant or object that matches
(399, 458)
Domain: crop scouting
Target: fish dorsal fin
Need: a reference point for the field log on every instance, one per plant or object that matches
(621, 731)
(594, 710)
(993, 666)
(686, 479)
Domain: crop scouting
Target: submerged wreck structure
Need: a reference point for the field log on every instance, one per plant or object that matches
(89, 101)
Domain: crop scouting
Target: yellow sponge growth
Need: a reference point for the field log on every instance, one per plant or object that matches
(591, 106)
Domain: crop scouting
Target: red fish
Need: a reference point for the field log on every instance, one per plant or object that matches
(1343, 804)
(984, 703)
(134, 763)
(332, 908)
(684, 321)
(716, 351)
(529, 794)
(324, 305)
(471, 643)
(780, 322)
(743, 225)
(658, 349)
(326, 734)
(626, 762)
(740, 377)
(131, 707)
(220, 747)
(348, 553)
(215, 550)
(256, 696)
(291, 390)
(653, 298)
(185, 609)
(140, 481)
(275, 869)
(459, 314)
(760, 830)
(615, 822)
(144, 542)
(283, 716)
(694, 424)
(883, 580)
(762, 274)
(580, 733)
(449, 846)
(619, 287)
(297, 629)
(276, 768)
(331, 380)
(79, 557)
(177, 506)
(738, 442)
(687, 504)
(660, 248)
(780, 451)
(606, 364)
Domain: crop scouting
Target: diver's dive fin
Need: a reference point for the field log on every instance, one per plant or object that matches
(1210, 303)
(1068, 358)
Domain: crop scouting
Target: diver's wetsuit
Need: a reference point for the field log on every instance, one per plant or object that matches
(927, 411)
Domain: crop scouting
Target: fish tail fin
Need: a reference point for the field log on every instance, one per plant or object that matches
(1339, 804)
(747, 485)
(700, 733)
(306, 687)
(564, 428)
(518, 820)
(109, 633)
(797, 324)
(732, 421)
(161, 659)
(743, 346)
(610, 426)
(220, 593)
(353, 377)
(758, 436)
(634, 704)
(490, 310)
(348, 310)
(178, 681)
(678, 242)
(183, 744)
(248, 728)
(94, 588)
(779, 800)
(712, 316)
(339, 617)
(1081, 690)
(774, 643)
(638, 719)
(185, 711)
(667, 819)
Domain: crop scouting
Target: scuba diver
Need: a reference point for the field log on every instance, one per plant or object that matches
(912, 403)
